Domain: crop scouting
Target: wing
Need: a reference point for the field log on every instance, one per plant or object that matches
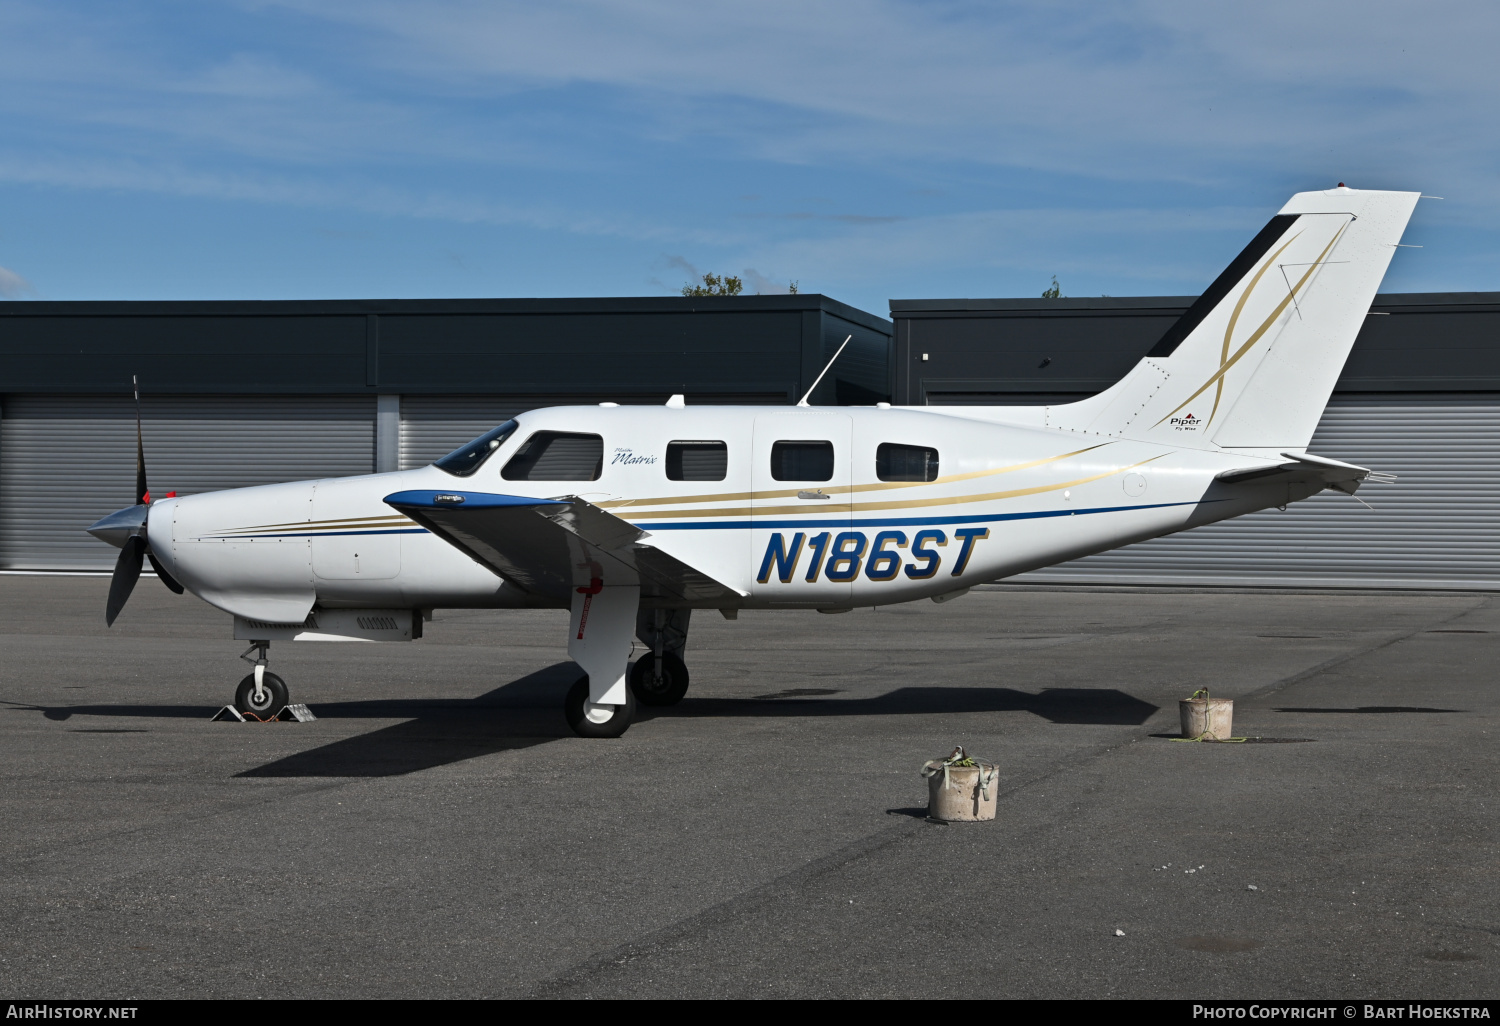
(1335, 474)
(548, 547)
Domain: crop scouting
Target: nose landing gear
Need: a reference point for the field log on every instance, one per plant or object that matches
(589, 719)
(262, 693)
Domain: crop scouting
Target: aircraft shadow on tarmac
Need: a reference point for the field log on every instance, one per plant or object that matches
(1108, 706)
(1373, 709)
(525, 712)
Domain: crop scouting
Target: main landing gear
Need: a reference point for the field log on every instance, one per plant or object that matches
(262, 693)
(602, 703)
(660, 677)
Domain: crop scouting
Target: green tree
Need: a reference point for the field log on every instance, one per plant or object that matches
(1055, 292)
(713, 285)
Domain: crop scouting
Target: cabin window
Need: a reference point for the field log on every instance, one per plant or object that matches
(906, 463)
(557, 456)
(466, 459)
(802, 461)
(697, 461)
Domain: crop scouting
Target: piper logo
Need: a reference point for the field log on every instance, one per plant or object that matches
(1186, 422)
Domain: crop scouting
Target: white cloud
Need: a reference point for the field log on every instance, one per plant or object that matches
(762, 286)
(1154, 88)
(13, 286)
(670, 261)
(356, 195)
(577, 117)
(1142, 89)
(1137, 245)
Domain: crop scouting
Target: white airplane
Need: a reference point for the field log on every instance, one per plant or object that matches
(632, 517)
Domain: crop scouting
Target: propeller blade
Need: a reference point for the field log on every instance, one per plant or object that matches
(142, 493)
(127, 572)
(166, 578)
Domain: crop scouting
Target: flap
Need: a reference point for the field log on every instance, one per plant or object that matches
(548, 547)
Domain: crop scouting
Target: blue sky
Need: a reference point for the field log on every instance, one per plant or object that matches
(867, 149)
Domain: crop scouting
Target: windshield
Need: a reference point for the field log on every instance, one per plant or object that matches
(463, 461)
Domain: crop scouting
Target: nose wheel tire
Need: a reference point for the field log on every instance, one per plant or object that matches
(666, 689)
(590, 720)
(271, 700)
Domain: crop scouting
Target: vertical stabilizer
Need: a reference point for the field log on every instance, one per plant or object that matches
(1252, 363)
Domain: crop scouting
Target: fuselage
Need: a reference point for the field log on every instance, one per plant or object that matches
(820, 507)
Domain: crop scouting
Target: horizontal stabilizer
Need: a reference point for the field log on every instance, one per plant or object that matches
(1335, 474)
(548, 547)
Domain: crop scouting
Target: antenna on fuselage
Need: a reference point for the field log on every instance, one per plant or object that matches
(803, 401)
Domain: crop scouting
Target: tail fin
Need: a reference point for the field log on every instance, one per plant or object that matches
(1252, 363)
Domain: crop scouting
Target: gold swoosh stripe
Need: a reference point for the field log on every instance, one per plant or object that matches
(1235, 317)
(321, 525)
(1265, 326)
(842, 489)
(393, 520)
(868, 507)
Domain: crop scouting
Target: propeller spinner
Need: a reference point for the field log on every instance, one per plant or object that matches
(126, 528)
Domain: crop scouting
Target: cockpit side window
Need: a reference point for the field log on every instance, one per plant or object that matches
(697, 461)
(557, 456)
(802, 461)
(906, 462)
(463, 461)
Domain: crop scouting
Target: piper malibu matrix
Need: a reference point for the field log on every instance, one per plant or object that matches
(632, 517)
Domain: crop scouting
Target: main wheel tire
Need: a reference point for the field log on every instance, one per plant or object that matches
(273, 696)
(585, 719)
(667, 689)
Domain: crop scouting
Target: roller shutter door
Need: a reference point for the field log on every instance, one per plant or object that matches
(65, 461)
(1438, 526)
(434, 425)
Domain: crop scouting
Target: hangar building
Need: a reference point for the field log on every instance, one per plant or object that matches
(245, 393)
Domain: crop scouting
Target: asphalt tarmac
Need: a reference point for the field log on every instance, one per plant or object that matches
(438, 832)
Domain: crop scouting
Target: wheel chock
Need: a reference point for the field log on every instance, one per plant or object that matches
(297, 713)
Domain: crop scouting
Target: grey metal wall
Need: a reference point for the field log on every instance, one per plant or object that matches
(1437, 526)
(977, 349)
(66, 460)
(443, 347)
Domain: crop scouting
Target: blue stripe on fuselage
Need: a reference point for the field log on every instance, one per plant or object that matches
(898, 521)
